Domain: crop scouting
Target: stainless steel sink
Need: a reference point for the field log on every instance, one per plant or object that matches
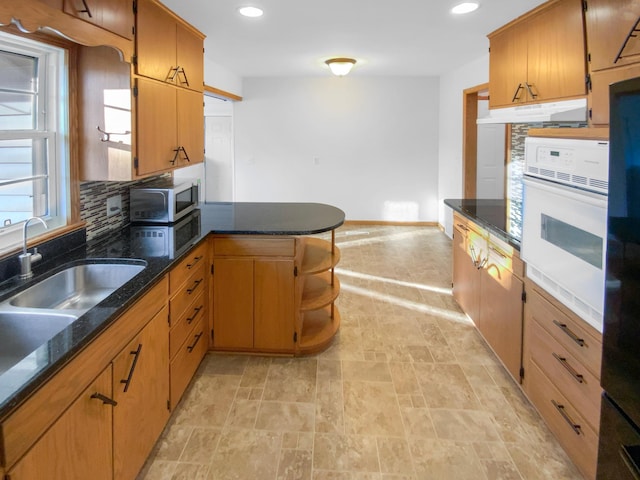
(33, 317)
(77, 288)
(21, 333)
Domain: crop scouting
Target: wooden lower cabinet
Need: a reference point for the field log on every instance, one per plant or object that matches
(487, 288)
(141, 388)
(562, 358)
(79, 444)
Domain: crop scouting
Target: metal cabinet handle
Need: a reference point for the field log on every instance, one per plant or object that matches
(195, 314)
(515, 95)
(175, 157)
(136, 355)
(175, 71)
(186, 155)
(574, 426)
(184, 74)
(563, 361)
(568, 332)
(106, 136)
(86, 9)
(462, 227)
(192, 346)
(533, 95)
(195, 260)
(497, 252)
(474, 257)
(105, 400)
(195, 285)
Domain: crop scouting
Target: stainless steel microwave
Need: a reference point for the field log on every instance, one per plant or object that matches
(162, 203)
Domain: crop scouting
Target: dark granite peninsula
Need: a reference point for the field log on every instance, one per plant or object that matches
(498, 216)
(234, 234)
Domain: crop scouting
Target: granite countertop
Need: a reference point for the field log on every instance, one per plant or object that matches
(500, 217)
(22, 379)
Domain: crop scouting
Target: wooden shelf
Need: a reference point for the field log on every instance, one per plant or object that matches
(318, 256)
(319, 328)
(318, 291)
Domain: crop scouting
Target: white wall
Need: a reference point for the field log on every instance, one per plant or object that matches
(367, 145)
(219, 77)
(450, 139)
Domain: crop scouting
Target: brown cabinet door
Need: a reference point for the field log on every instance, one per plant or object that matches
(190, 58)
(274, 305)
(115, 16)
(608, 24)
(556, 56)
(233, 296)
(155, 42)
(157, 141)
(466, 277)
(141, 388)
(78, 444)
(508, 67)
(501, 314)
(190, 126)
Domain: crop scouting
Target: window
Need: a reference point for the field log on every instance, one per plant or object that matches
(34, 158)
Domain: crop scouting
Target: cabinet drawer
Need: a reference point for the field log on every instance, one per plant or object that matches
(190, 289)
(256, 247)
(575, 382)
(561, 416)
(195, 258)
(573, 337)
(187, 359)
(182, 325)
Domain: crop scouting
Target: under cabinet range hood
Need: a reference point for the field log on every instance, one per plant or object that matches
(562, 111)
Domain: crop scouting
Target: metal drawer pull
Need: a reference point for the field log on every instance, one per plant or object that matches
(86, 9)
(136, 355)
(463, 227)
(191, 347)
(565, 329)
(497, 252)
(195, 285)
(195, 314)
(195, 260)
(106, 136)
(563, 361)
(515, 95)
(574, 426)
(105, 400)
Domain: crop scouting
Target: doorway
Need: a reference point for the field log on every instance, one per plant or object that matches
(218, 138)
(484, 148)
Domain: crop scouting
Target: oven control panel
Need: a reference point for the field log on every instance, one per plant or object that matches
(578, 163)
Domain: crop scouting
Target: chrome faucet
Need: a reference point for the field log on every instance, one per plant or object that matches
(26, 259)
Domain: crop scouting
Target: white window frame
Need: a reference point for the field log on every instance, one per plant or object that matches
(52, 125)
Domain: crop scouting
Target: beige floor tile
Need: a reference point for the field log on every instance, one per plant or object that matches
(408, 390)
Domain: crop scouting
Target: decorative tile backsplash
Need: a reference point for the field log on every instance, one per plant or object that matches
(93, 205)
(514, 177)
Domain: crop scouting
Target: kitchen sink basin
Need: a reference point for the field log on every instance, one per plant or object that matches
(21, 333)
(77, 288)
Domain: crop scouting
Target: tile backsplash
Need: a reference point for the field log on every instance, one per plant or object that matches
(93, 205)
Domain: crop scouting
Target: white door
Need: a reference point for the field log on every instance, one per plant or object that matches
(490, 161)
(219, 178)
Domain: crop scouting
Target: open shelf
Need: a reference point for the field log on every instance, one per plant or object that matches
(318, 256)
(318, 330)
(318, 291)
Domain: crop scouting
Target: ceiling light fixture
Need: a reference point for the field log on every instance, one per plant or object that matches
(340, 66)
(250, 12)
(466, 7)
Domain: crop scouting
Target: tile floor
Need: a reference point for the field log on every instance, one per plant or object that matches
(408, 390)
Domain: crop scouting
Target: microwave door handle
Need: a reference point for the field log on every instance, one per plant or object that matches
(165, 202)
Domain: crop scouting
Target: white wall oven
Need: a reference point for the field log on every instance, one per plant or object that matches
(565, 221)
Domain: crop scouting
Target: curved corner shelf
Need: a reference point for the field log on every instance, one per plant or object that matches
(318, 291)
(318, 256)
(319, 328)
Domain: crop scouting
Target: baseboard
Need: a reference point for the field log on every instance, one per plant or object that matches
(394, 224)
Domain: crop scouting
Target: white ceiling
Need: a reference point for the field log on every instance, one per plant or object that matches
(387, 37)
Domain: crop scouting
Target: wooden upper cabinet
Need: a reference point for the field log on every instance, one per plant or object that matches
(190, 125)
(608, 24)
(115, 16)
(167, 48)
(539, 57)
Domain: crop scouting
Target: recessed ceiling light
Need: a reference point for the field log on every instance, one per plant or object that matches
(250, 11)
(465, 7)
